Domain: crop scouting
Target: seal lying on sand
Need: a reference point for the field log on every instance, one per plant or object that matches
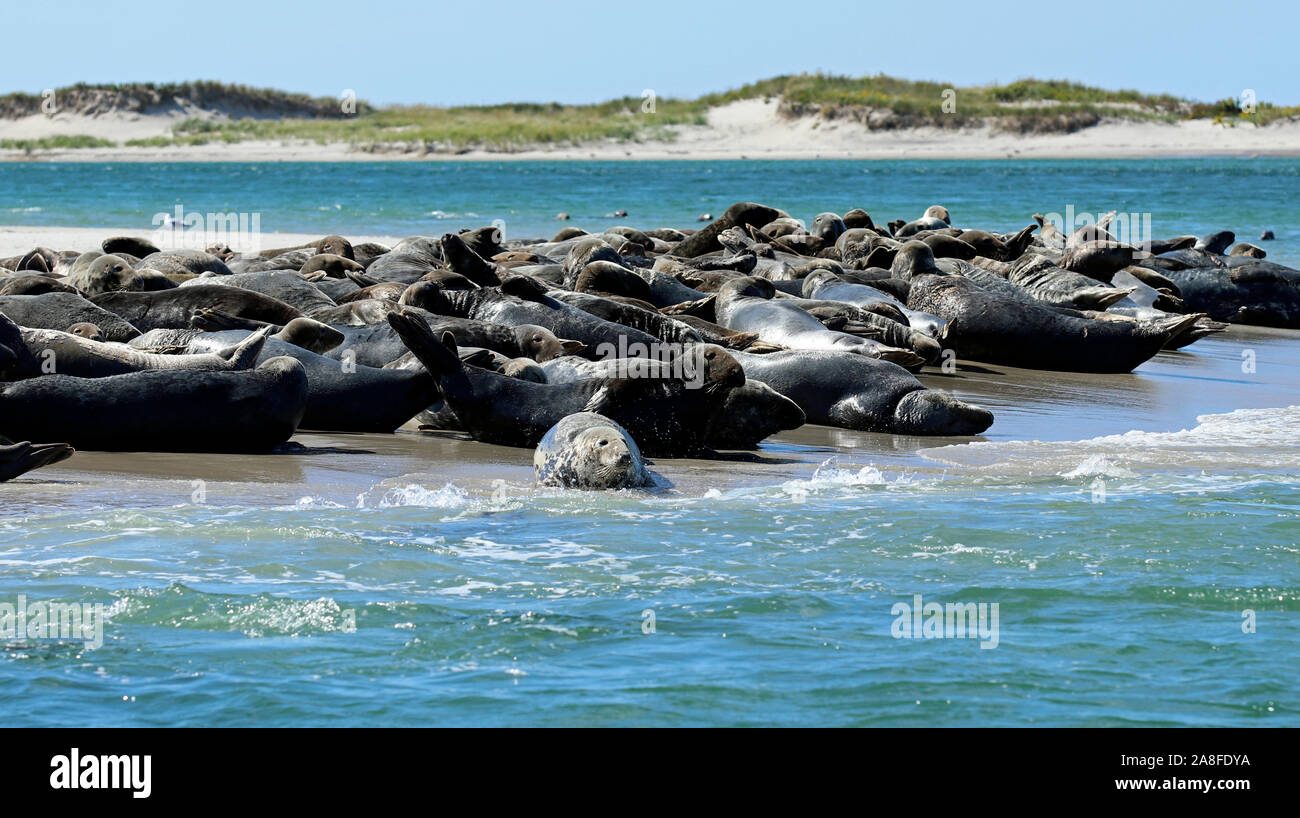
(342, 397)
(164, 411)
(748, 305)
(59, 310)
(379, 344)
(66, 354)
(857, 392)
(666, 416)
(19, 458)
(1240, 289)
(172, 309)
(986, 326)
(751, 413)
(589, 451)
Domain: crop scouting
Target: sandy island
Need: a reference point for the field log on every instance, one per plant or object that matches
(748, 129)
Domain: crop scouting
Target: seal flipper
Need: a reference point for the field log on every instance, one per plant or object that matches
(527, 288)
(244, 354)
(1017, 244)
(462, 259)
(439, 358)
(482, 358)
(20, 458)
(361, 279)
(703, 308)
(209, 319)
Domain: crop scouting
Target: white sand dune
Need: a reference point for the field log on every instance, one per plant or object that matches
(749, 129)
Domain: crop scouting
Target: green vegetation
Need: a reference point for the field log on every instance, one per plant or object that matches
(149, 97)
(495, 127)
(878, 102)
(52, 142)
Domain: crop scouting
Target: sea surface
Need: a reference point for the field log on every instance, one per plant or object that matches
(1139, 534)
(1182, 196)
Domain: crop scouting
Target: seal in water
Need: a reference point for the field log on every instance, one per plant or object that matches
(589, 451)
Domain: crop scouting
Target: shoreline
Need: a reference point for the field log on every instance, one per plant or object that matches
(16, 239)
(744, 130)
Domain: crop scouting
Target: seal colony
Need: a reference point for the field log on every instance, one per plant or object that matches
(590, 347)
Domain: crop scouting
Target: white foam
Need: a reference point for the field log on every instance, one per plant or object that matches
(449, 496)
(1097, 465)
(1244, 440)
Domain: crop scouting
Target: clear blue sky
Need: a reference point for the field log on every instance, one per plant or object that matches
(451, 53)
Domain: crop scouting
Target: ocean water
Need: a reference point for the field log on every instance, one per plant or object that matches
(1139, 534)
(406, 198)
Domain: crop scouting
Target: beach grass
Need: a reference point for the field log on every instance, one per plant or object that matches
(878, 102)
(56, 142)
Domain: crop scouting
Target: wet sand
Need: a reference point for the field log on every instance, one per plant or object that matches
(1166, 394)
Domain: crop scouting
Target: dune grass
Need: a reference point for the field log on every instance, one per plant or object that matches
(1024, 106)
(56, 142)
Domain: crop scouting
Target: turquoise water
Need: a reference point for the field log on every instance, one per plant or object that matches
(404, 198)
(415, 580)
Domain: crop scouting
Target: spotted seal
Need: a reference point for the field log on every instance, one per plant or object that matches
(589, 451)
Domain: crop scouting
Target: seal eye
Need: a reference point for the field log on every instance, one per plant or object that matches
(604, 442)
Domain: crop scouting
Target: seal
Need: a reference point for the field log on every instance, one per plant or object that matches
(282, 285)
(33, 285)
(856, 392)
(132, 245)
(589, 451)
(342, 396)
(19, 458)
(69, 354)
(986, 326)
(172, 309)
(57, 310)
(825, 285)
(748, 305)
(1239, 289)
(183, 262)
(94, 273)
(740, 214)
(88, 331)
(304, 332)
(524, 300)
(16, 362)
(379, 345)
(668, 416)
(751, 413)
(160, 411)
(332, 265)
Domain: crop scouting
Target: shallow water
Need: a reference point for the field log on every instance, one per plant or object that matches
(477, 598)
(1182, 196)
(1121, 523)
